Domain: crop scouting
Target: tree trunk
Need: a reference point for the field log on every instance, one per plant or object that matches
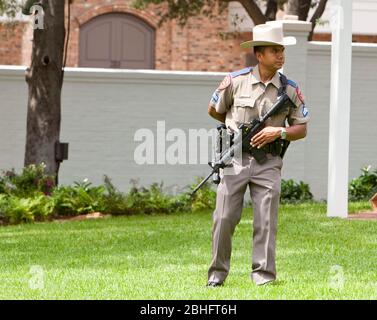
(45, 79)
(317, 14)
(253, 11)
(299, 8)
(271, 10)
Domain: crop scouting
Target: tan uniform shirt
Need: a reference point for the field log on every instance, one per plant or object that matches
(244, 97)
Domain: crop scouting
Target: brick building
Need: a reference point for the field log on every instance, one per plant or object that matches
(102, 31)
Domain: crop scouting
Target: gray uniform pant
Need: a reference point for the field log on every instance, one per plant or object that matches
(264, 184)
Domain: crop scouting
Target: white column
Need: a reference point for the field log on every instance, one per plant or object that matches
(341, 56)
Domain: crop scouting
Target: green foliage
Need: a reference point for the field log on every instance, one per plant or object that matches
(293, 192)
(151, 200)
(9, 7)
(115, 202)
(80, 198)
(14, 209)
(181, 203)
(204, 198)
(31, 181)
(31, 195)
(365, 186)
(147, 200)
(181, 10)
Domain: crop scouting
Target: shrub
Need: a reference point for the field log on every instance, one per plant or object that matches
(153, 199)
(14, 209)
(31, 196)
(365, 186)
(79, 199)
(181, 203)
(115, 202)
(293, 192)
(141, 200)
(148, 200)
(204, 198)
(31, 181)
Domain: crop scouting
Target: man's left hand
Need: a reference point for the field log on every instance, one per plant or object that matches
(266, 135)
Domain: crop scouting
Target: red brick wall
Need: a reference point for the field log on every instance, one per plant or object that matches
(196, 47)
(11, 43)
(355, 37)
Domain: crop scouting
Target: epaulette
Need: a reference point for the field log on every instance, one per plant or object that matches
(241, 72)
(292, 83)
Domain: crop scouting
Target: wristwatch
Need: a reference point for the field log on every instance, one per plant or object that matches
(283, 133)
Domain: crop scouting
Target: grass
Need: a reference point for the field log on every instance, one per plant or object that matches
(167, 256)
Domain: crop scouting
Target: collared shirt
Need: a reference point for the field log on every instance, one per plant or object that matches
(244, 97)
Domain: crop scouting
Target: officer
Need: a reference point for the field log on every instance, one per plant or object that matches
(241, 97)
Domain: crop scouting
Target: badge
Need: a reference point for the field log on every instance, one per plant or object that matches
(215, 97)
(305, 111)
(225, 83)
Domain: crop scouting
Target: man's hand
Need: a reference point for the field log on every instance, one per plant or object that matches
(266, 135)
(269, 134)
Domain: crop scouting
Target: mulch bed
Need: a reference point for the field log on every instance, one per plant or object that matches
(363, 216)
(61, 218)
(94, 215)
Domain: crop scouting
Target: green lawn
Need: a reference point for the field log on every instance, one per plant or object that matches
(166, 257)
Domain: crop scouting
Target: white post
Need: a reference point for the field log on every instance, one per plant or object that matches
(341, 56)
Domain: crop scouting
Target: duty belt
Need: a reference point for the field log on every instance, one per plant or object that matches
(274, 148)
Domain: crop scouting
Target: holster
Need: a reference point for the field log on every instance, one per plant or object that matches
(276, 148)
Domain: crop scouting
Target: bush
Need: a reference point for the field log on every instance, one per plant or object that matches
(79, 199)
(204, 198)
(365, 186)
(115, 202)
(293, 192)
(14, 209)
(147, 200)
(31, 196)
(181, 203)
(30, 182)
(142, 200)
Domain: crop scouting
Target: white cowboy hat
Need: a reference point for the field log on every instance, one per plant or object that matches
(268, 35)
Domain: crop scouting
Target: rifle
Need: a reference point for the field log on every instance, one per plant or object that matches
(240, 139)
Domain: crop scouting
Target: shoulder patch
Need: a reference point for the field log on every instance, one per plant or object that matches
(225, 83)
(299, 95)
(292, 83)
(241, 72)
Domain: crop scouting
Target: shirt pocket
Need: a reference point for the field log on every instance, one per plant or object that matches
(243, 108)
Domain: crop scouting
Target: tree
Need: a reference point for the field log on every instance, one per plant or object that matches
(45, 79)
(183, 9)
